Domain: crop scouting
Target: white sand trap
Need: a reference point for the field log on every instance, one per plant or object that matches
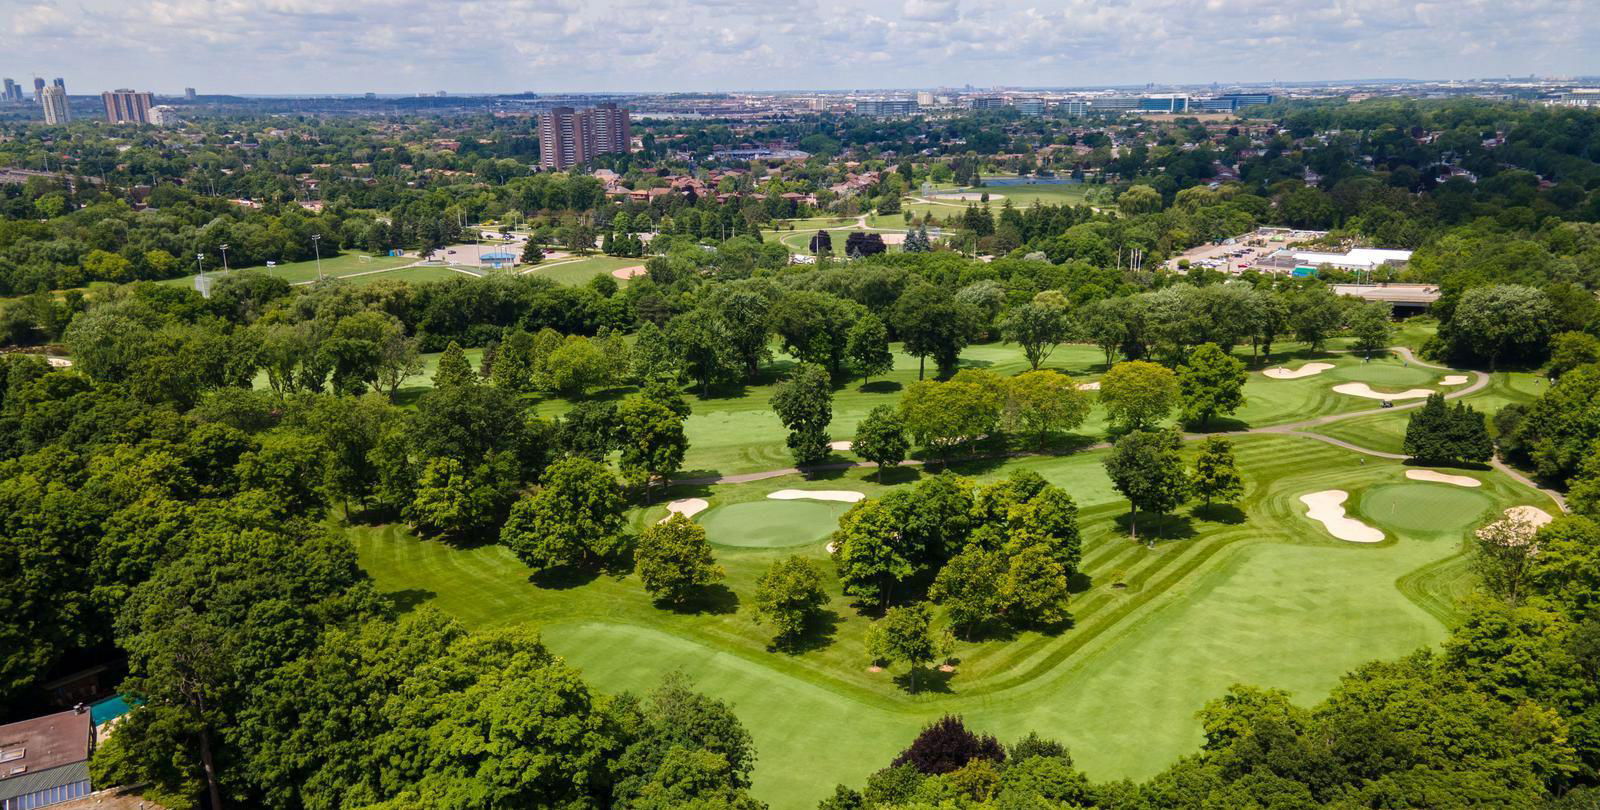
(1364, 390)
(832, 547)
(968, 196)
(845, 495)
(1443, 478)
(1089, 386)
(688, 507)
(58, 362)
(1328, 507)
(1307, 370)
(629, 272)
(841, 445)
(893, 238)
(1530, 514)
(1454, 379)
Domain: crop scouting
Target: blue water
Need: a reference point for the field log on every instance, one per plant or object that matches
(1029, 181)
(109, 709)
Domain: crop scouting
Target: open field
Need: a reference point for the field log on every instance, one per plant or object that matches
(1261, 595)
(344, 264)
(580, 271)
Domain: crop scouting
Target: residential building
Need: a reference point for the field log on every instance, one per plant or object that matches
(188, 93)
(881, 107)
(127, 106)
(569, 137)
(55, 105)
(60, 82)
(163, 115)
(13, 92)
(45, 761)
(924, 99)
(38, 90)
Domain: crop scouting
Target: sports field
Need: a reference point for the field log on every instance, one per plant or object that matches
(1260, 595)
(336, 266)
(580, 271)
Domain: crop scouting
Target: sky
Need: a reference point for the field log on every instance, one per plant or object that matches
(408, 46)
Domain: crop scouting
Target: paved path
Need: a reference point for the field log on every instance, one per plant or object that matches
(1299, 428)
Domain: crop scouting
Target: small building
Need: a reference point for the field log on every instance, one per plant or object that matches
(498, 259)
(45, 761)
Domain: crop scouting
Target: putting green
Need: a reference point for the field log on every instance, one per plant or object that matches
(1423, 508)
(1385, 375)
(772, 524)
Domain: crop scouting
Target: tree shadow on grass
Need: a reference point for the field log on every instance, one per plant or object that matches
(1219, 513)
(563, 578)
(889, 476)
(1157, 528)
(1219, 424)
(700, 473)
(930, 679)
(1452, 464)
(817, 634)
(407, 600)
(717, 599)
(1079, 582)
(879, 387)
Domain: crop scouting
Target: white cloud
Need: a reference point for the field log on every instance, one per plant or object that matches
(253, 46)
(930, 10)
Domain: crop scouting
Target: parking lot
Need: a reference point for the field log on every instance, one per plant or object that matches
(1245, 251)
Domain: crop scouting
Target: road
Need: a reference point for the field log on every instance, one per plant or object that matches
(1299, 429)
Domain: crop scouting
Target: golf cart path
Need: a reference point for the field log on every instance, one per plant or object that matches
(1300, 429)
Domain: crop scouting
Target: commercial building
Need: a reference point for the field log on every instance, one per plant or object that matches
(1164, 103)
(1361, 259)
(55, 105)
(1029, 106)
(188, 93)
(60, 82)
(569, 137)
(986, 102)
(1114, 104)
(924, 98)
(38, 90)
(13, 91)
(881, 107)
(45, 761)
(1074, 108)
(127, 106)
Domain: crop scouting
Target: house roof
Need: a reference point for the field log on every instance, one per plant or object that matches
(45, 743)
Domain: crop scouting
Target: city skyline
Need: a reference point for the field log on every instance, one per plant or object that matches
(406, 46)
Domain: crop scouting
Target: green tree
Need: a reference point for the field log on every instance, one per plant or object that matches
(575, 518)
(1035, 589)
(867, 347)
(589, 430)
(456, 501)
(967, 588)
(1216, 474)
(804, 403)
(1314, 314)
(906, 634)
(454, 368)
(1137, 394)
(789, 596)
(1569, 350)
(652, 440)
(1038, 327)
(1211, 383)
(1044, 402)
(674, 559)
(881, 439)
(654, 358)
(872, 552)
(1500, 320)
(933, 324)
(700, 340)
(1147, 468)
(1371, 326)
(815, 327)
(946, 416)
(1139, 200)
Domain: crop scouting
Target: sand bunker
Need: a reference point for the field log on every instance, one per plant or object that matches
(1328, 507)
(832, 547)
(629, 272)
(688, 507)
(893, 238)
(1443, 478)
(1364, 390)
(972, 196)
(1089, 386)
(1454, 379)
(1530, 514)
(1307, 370)
(844, 495)
(841, 445)
(58, 362)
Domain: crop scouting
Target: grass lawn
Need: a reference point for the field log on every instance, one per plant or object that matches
(338, 266)
(1258, 594)
(579, 271)
(1387, 431)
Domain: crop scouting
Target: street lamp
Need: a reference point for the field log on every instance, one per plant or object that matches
(316, 240)
(200, 261)
(224, 248)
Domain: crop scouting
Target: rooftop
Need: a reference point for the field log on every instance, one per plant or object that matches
(36, 745)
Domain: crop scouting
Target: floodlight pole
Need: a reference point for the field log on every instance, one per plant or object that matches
(224, 248)
(316, 246)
